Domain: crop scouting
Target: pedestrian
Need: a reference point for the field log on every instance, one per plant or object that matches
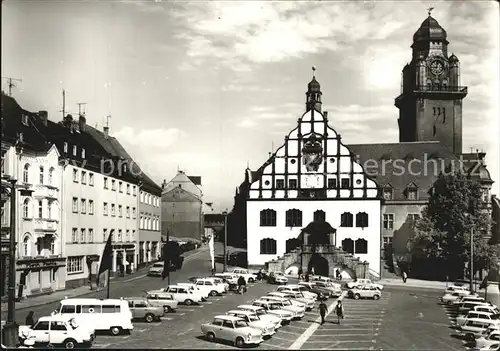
(312, 271)
(300, 273)
(323, 310)
(337, 274)
(405, 276)
(30, 320)
(339, 311)
(307, 277)
(241, 284)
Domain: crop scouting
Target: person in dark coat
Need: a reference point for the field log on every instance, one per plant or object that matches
(405, 276)
(241, 284)
(339, 311)
(301, 272)
(323, 310)
(30, 320)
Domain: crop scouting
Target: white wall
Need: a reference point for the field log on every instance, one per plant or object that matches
(333, 210)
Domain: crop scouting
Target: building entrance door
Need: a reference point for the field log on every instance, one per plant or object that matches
(320, 265)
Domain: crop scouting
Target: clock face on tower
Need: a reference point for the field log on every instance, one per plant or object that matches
(437, 67)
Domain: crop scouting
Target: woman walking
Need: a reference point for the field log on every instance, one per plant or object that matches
(339, 311)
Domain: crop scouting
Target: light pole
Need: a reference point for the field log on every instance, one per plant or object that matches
(471, 263)
(225, 239)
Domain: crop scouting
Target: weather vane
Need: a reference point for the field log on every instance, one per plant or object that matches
(314, 71)
(429, 10)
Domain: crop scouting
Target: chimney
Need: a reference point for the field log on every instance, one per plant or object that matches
(67, 121)
(106, 132)
(82, 121)
(44, 116)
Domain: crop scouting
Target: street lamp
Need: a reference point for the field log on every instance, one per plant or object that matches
(11, 328)
(225, 239)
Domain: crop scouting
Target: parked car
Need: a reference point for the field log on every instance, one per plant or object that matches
(249, 277)
(275, 309)
(262, 313)
(214, 286)
(268, 328)
(181, 294)
(487, 340)
(450, 298)
(229, 278)
(56, 330)
(298, 296)
(144, 310)
(363, 281)
(286, 304)
(476, 316)
(364, 292)
(469, 298)
(196, 290)
(334, 288)
(162, 299)
(461, 290)
(465, 307)
(277, 278)
(314, 289)
(472, 329)
(232, 329)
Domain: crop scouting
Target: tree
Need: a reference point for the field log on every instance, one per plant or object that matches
(442, 234)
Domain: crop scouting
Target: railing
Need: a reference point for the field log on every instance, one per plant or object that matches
(440, 88)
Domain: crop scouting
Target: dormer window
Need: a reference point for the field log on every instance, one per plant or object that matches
(412, 192)
(24, 119)
(387, 192)
(74, 150)
(83, 153)
(65, 147)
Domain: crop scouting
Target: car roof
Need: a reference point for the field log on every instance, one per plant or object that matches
(275, 298)
(56, 317)
(262, 301)
(134, 298)
(91, 301)
(250, 307)
(230, 318)
(241, 312)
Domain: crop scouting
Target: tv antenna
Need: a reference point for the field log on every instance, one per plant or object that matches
(64, 104)
(106, 123)
(11, 83)
(80, 104)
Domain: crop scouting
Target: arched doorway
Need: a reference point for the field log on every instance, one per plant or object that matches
(320, 265)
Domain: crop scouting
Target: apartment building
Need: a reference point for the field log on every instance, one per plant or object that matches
(149, 223)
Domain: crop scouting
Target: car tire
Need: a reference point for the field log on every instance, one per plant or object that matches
(251, 280)
(149, 318)
(115, 331)
(376, 297)
(213, 293)
(69, 344)
(470, 337)
(210, 336)
(449, 303)
(357, 296)
(239, 342)
(169, 309)
(188, 302)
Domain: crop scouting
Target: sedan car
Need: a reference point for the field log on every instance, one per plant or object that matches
(275, 309)
(161, 299)
(315, 289)
(277, 278)
(143, 309)
(298, 296)
(487, 340)
(476, 316)
(298, 308)
(232, 329)
(268, 328)
(364, 292)
(262, 313)
(334, 288)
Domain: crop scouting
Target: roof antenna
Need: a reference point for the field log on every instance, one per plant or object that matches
(429, 10)
(10, 84)
(64, 104)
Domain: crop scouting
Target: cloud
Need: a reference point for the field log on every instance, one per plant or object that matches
(150, 138)
(246, 123)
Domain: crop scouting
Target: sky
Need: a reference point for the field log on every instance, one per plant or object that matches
(207, 87)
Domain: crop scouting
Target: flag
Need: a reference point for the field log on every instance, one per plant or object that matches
(212, 250)
(106, 263)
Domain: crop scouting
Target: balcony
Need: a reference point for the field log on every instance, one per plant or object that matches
(47, 192)
(45, 225)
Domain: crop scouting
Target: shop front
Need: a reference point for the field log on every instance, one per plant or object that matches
(39, 276)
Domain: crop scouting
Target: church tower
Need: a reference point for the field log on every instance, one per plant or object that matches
(313, 94)
(430, 103)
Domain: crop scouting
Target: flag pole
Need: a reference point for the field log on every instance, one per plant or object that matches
(107, 284)
(165, 260)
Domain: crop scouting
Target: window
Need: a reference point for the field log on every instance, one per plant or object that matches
(65, 147)
(127, 235)
(91, 179)
(113, 212)
(387, 240)
(346, 219)
(268, 218)
(141, 222)
(26, 208)
(26, 173)
(105, 183)
(84, 177)
(132, 238)
(75, 264)
(119, 238)
(26, 246)
(387, 193)
(105, 208)
(75, 176)
(345, 183)
(268, 247)
(293, 218)
(128, 211)
(91, 207)
(113, 184)
(141, 197)
(82, 235)
(91, 236)
(83, 153)
(348, 245)
(74, 150)
(319, 216)
(40, 209)
(74, 235)
(389, 221)
(43, 325)
(104, 235)
(53, 246)
(120, 213)
(133, 212)
(361, 246)
(412, 194)
(120, 187)
(128, 188)
(41, 175)
(83, 205)
(332, 183)
(280, 183)
(362, 219)
(134, 191)
(412, 217)
(58, 326)
(51, 175)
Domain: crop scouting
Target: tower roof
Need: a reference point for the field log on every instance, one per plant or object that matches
(429, 30)
(313, 86)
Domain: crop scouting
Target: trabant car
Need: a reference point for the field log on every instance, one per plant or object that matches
(229, 278)
(486, 340)
(241, 272)
(305, 290)
(142, 309)
(364, 292)
(196, 290)
(472, 329)
(469, 298)
(334, 288)
(212, 286)
(363, 281)
(268, 328)
(162, 299)
(297, 296)
(262, 313)
(298, 309)
(275, 309)
(277, 278)
(476, 315)
(465, 307)
(182, 295)
(233, 329)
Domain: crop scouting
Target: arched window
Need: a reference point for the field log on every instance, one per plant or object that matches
(319, 216)
(293, 218)
(346, 219)
(362, 219)
(268, 247)
(361, 246)
(26, 208)
(26, 173)
(41, 174)
(51, 175)
(40, 209)
(268, 218)
(348, 245)
(26, 246)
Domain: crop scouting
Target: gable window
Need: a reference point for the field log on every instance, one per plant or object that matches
(387, 193)
(26, 175)
(293, 218)
(389, 221)
(348, 245)
(41, 175)
(75, 176)
(346, 219)
(83, 153)
(40, 209)
(65, 147)
(268, 218)
(361, 246)
(91, 179)
(362, 219)
(26, 208)
(75, 205)
(74, 150)
(292, 183)
(332, 183)
(280, 183)
(268, 247)
(24, 119)
(412, 193)
(345, 183)
(319, 216)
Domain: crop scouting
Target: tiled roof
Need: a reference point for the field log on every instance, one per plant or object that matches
(402, 169)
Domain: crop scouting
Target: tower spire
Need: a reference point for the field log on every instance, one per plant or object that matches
(429, 10)
(313, 94)
(314, 71)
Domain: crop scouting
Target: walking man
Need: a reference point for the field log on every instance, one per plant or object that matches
(30, 320)
(405, 276)
(339, 311)
(323, 310)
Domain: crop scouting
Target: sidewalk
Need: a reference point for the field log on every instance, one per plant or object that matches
(414, 283)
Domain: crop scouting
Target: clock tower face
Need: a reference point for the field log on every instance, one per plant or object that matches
(437, 67)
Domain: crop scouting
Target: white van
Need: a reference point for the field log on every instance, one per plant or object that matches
(113, 314)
